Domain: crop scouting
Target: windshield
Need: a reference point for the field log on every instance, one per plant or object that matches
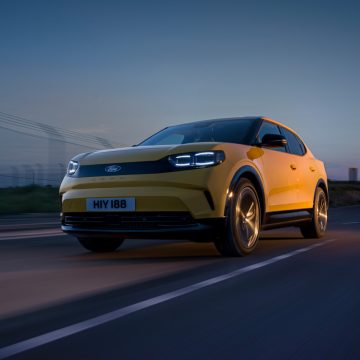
(231, 131)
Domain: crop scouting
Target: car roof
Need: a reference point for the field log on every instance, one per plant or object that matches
(221, 119)
(254, 118)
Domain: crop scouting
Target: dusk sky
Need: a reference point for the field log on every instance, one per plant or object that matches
(125, 69)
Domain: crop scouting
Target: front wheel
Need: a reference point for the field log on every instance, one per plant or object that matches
(317, 227)
(242, 221)
(100, 244)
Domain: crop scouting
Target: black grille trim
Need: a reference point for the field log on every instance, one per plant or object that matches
(133, 168)
(128, 220)
(129, 168)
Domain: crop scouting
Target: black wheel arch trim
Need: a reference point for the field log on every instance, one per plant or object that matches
(255, 178)
(322, 184)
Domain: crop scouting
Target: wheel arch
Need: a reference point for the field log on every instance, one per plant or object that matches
(323, 185)
(252, 175)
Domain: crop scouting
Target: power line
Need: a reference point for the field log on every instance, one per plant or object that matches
(32, 125)
(45, 137)
(27, 127)
(37, 124)
(46, 131)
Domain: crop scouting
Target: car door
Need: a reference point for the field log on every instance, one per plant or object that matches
(279, 176)
(303, 169)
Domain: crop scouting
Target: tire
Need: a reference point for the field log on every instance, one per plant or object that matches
(100, 244)
(243, 221)
(317, 227)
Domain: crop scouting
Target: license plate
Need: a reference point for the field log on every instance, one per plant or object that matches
(110, 204)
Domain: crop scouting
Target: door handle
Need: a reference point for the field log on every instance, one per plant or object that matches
(293, 167)
(312, 168)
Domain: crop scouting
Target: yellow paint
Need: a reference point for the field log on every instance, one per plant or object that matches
(285, 188)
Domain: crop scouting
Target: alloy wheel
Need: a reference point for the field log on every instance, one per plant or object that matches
(322, 212)
(247, 217)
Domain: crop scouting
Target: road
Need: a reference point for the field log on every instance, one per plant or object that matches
(291, 299)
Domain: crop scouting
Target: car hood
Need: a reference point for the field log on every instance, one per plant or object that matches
(140, 153)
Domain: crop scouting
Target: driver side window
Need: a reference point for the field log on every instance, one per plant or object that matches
(269, 128)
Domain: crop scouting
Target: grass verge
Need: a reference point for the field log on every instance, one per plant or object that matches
(29, 199)
(344, 193)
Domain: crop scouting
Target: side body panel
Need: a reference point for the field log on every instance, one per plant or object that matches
(281, 183)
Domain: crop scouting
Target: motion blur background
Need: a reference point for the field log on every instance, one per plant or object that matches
(83, 75)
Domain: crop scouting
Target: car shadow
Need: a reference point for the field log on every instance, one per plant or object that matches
(174, 251)
(183, 251)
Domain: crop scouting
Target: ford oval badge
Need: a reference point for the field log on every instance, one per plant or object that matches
(113, 168)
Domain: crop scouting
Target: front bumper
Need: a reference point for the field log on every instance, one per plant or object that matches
(159, 225)
(201, 192)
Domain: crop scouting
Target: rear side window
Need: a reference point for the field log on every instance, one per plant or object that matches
(295, 145)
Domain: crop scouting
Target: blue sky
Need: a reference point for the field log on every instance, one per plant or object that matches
(124, 69)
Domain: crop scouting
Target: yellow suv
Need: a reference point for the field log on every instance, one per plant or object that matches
(217, 180)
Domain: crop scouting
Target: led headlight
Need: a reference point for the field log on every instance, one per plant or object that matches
(72, 167)
(196, 160)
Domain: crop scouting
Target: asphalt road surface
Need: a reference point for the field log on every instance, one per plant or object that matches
(291, 299)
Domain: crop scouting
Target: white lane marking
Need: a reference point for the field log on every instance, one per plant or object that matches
(351, 223)
(29, 234)
(127, 310)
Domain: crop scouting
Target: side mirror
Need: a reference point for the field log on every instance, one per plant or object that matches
(273, 140)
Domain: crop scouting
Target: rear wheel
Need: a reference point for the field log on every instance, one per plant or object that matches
(242, 222)
(100, 244)
(317, 227)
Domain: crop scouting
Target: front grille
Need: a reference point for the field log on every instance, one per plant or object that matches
(128, 221)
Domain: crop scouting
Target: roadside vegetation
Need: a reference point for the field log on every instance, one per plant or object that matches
(344, 193)
(37, 199)
(29, 199)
